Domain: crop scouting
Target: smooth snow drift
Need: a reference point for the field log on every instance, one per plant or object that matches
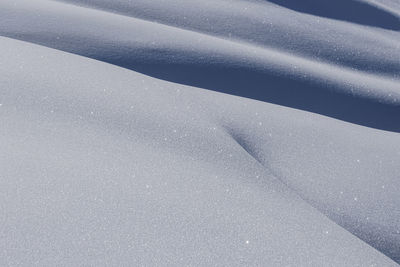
(102, 165)
(246, 48)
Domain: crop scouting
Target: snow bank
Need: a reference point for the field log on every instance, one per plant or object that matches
(328, 67)
(102, 165)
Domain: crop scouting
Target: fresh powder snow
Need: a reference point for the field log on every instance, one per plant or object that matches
(200, 133)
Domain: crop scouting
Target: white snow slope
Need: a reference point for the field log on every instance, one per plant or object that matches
(134, 163)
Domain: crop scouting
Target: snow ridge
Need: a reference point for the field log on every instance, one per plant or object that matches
(103, 165)
(278, 74)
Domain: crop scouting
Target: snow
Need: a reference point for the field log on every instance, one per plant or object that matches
(104, 165)
(344, 71)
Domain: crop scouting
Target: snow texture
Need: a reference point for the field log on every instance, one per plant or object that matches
(290, 158)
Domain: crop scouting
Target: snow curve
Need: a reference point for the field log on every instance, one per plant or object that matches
(103, 165)
(236, 67)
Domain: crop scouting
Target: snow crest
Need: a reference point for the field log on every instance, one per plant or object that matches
(290, 157)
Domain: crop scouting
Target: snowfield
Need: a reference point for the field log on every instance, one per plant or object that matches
(200, 133)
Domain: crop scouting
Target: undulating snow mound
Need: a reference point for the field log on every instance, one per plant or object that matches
(107, 166)
(346, 71)
(102, 165)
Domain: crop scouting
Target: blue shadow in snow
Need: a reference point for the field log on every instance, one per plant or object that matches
(348, 10)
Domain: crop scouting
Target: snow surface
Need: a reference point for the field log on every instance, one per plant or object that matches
(103, 165)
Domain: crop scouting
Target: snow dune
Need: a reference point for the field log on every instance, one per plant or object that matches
(328, 67)
(104, 165)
